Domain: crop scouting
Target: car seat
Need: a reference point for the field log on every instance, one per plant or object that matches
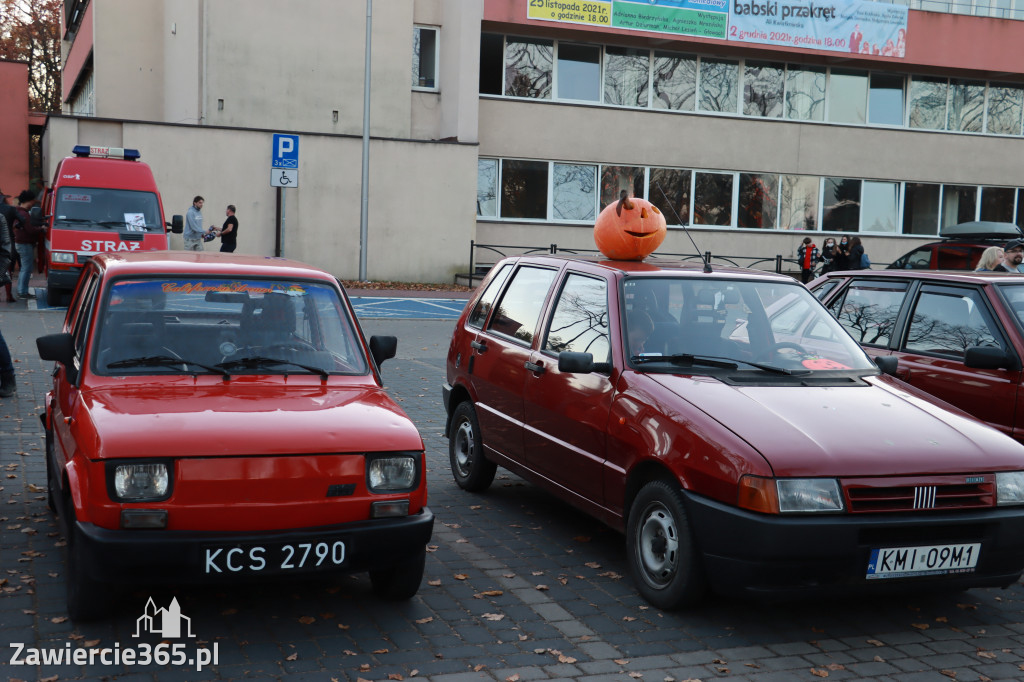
(267, 321)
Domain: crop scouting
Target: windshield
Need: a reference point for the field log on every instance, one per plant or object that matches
(225, 326)
(759, 325)
(88, 208)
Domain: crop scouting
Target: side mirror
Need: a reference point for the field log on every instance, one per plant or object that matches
(36, 215)
(383, 348)
(887, 363)
(177, 224)
(989, 357)
(581, 363)
(59, 348)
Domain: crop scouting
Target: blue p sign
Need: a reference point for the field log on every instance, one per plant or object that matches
(285, 153)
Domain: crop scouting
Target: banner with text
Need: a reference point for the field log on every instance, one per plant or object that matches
(860, 26)
(703, 18)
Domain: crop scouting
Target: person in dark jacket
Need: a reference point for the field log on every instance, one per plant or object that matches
(25, 237)
(10, 215)
(842, 254)
(7, 382)
(854, 260)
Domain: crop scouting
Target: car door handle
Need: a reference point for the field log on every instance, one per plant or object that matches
(535, 368)
(478, 345)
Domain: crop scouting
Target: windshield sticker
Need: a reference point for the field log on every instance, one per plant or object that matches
(82, 198)
(199, 287)
(823, 363)
(136, 222)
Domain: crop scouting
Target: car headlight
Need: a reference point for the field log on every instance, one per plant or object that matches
(62, 257)
(139, 481)
(392, 473)
(790, 495)
(1010, 487)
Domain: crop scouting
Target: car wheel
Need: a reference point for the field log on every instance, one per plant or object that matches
(472, 471)
(401, 582)
(662, 558)
(51, 482)
(87, 599)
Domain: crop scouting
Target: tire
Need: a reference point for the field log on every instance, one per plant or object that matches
(52, 484)
(401, 582)
(87, 599)
(54, 297)
(472, 471)
(665, 565)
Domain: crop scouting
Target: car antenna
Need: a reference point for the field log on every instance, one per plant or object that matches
(706, 261)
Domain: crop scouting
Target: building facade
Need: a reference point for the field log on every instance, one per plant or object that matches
(513, 122)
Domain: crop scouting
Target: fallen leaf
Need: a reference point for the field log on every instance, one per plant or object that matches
(949, 673)
(395, 676)
(307, 620)
(488, 593)
(49, 679)
(421, 621)
(90, 643)
(59, 619)
(380, 651)
(636, 676)
(493, 616)
(836, 666)
(292, 657)
(592, 564)
(879, 659)
(987, 654)
(629, 619)
(819, 673)
(876, 642)
(565, 659)
(460, 576)
(542, 588)
(512, 678)
(478, 667)
(941, 619)
(435, 582)
(621, 661)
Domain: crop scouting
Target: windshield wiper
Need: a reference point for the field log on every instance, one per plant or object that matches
(689, 360)
(163, 361)
(258, 361)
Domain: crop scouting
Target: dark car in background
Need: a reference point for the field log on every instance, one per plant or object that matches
(957, 335)
(960, 248)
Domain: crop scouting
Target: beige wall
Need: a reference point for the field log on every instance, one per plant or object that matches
(420, 216)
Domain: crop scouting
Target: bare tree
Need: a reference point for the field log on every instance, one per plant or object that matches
(30, 32)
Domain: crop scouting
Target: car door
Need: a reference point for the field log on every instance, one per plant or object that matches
(501, 352)
(943, 322)
(567, 414)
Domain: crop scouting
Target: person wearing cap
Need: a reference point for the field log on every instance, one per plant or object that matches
(1013, 255)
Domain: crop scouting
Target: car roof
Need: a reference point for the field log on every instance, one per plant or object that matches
(655, 267)
(963, 276)
(188, 263)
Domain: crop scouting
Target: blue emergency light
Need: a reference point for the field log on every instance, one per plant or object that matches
(82, 151)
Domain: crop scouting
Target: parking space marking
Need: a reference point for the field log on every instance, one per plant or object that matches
(408, 308)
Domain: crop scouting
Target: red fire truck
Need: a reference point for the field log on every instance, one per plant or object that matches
(102, 199)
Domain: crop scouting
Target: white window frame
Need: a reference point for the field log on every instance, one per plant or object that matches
(437, 57)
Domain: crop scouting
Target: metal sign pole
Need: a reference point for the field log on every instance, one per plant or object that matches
(364, 194)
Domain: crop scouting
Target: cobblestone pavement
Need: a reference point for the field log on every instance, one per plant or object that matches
(518, 587)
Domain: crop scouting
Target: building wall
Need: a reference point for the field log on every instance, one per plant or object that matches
(421, 219)
(14, 126)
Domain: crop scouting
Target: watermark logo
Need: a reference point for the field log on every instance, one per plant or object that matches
(164, 622)
(169, 622)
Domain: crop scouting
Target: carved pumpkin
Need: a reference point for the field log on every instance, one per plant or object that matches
(629, 229)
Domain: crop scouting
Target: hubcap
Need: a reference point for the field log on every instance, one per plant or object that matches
(463, 447)
(658, 545)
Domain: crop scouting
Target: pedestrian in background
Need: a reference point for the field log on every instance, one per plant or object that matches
(194, 234)
(9, 214)
(229, 231)
(842, 254)
(6, 258)
(7, 383)
(25, 237)
(857, 259)
(828, 253)
(1013, 254)
(990, 259)
(807, 256)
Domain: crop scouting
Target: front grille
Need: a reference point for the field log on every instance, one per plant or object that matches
(930, 493)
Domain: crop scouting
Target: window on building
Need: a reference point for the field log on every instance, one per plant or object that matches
(880, 206)
(669, 190)
(487, 188)
(841, 205)
(966, 106)
(574, 192)
(763, 86)
(958, 204)
(798, 202)
(424, 57)
(579, 72)
(492, 63)
(719, 80)
(626, 76)
(712, 199)
(805, 93)
(885, 99)
(921, 208)
(1020, 208)
(847, 96)
(524, 189)
(528, 68)
(614, 179)
(675, 82)
(1005, 103)
(997, 203)
(928, 102)
(758, 200)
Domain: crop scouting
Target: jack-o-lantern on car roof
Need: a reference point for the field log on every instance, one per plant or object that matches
(630, 229)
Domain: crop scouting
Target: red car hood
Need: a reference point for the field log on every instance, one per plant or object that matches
(875, 429)
(232, 418)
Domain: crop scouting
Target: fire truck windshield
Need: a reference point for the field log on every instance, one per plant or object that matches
(120, 210)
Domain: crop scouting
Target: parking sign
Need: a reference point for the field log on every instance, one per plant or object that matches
(285, 153)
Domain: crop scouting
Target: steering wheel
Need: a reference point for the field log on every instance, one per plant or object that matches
(781, 345)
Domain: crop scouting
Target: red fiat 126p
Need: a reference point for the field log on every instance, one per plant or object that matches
(215, 417)
(679, 405)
